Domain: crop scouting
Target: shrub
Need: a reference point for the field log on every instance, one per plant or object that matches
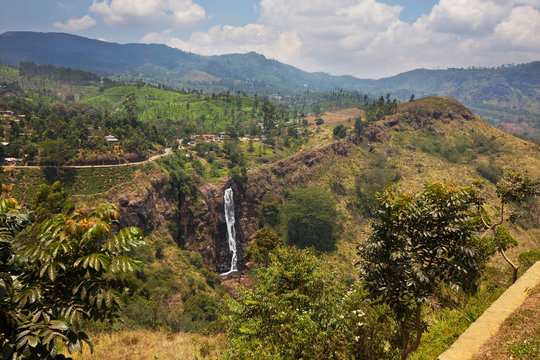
(264, 242)
(340, 131)
(294, 310)
(309, 219)
(529, 258)
(490, 171)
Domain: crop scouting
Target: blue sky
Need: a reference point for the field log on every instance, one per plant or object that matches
(364, 38)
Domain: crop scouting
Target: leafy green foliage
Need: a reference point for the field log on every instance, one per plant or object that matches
(269, 215)
(378, 110)
(308, 219)
(175, 167)
(51, 200)
(70, 274)
(371, 325)
(513, 189)
(340, 131)
(529, 258)
(419, 242)
(60, 133)
(264, 242)
(370, 181)
(172, 290)
(526, 350)
(516, 187)
(490, 171)
(12, 220)
(293, 311)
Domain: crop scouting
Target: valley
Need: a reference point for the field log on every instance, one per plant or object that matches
(273, 156)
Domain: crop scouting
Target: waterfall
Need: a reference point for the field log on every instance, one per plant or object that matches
(228, 200)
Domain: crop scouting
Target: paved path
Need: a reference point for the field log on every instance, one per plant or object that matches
(487, 325)
(152, 158)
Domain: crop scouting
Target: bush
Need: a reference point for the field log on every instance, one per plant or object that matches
(294, 310)
(309, 219)
(269, 215)
(529, 258)
(340, 131)
(490, 171)
(264, 242)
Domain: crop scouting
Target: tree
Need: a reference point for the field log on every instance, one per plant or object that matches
(12, 220)
(269, 116)
(264, 242)
(72, 273)
(418, 243)
(514, 188)
(132, 109)
(309, 219)
(340, 131)
(51, 200)
(55, 152)
(358, 128)
(294, 310)
(316, 109)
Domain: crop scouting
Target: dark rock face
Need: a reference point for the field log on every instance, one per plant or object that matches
(201, 220)
(202, 225)
(143, 203)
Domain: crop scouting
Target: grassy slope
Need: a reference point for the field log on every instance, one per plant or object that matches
(76, 181)
(404, 156)
(409, 153)
(148, 344)
(212, 114)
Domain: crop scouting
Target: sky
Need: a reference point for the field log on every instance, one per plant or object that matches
(363, 38)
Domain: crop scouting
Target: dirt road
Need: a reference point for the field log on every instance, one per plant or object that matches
(152, 158)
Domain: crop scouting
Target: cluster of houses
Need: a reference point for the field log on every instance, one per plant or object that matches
(9, 115)
(209, 138)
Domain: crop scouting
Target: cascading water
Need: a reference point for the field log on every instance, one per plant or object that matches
(228, 200)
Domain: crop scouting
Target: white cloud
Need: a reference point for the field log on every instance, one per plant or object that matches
(465, 16)
(521, 29)
(155, 12)
(366, 38)
(75, 24)
(230, 39)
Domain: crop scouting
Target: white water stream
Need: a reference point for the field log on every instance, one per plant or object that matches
(228, 201)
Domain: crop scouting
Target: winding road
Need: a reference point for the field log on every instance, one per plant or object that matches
(152, 158)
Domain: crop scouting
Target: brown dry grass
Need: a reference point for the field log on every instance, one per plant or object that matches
(147, 344)
(346, 116)
(522, 327)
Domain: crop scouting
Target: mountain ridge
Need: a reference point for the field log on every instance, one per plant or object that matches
(508, 96)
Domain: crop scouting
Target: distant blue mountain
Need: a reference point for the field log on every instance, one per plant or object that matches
(155, 62)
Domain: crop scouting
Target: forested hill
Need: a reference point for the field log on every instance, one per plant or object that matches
(160, 63)
(507, 96)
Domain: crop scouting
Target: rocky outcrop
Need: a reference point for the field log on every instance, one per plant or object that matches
(201, 219)
(141, 203)
(197, 218)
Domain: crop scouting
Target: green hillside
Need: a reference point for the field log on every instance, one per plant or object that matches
(178, 201)
(507, 96)
(433, 139)
(211, 112)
